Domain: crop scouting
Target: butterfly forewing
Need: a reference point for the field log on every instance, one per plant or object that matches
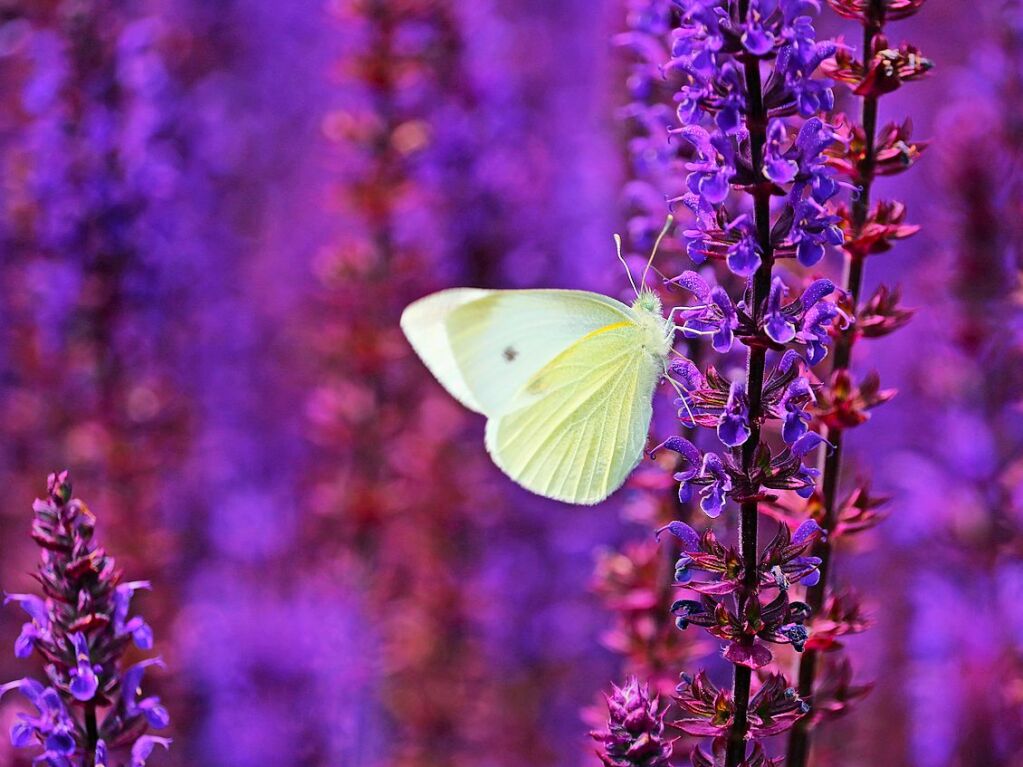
(424, 323)
(578, 426)
(502, 339)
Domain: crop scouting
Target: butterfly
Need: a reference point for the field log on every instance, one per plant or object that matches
(566, 378)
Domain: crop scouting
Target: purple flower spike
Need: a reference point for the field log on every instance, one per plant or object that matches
(759, 189)
(634, 736)
(83, 663)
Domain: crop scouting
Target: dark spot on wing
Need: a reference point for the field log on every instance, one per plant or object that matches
(510, 353)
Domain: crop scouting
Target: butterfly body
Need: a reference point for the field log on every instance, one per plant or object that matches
(566, 379)
(657, 331)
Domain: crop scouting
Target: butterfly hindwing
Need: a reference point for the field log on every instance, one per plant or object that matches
(578, 427)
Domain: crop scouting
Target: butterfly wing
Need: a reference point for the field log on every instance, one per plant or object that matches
(484, 345)
(578, 427)
(424, 323)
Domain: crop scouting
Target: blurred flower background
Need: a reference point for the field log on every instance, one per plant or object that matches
(211, 215)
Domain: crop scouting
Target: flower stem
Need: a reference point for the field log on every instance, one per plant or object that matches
(756, 123)
(831, 465)
(91, 733)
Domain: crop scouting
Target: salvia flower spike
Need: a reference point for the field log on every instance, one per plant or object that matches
(866, 152)
(635, 734)
(752, 118)
(90, 710)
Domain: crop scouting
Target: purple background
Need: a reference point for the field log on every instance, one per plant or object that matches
(205, 252)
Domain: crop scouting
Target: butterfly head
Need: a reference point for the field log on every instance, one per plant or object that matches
(649, 302)
(650, 317)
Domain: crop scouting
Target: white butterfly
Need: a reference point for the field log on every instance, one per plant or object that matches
(565, 377)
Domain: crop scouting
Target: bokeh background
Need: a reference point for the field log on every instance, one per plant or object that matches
(211, 215)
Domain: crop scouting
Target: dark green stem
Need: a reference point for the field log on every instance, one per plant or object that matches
(800, 738)
(91, 733)
(756, 123)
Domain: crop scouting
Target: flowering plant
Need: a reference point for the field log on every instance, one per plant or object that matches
(81, 627)
(750, 107)
(767, 163)
(866, 152)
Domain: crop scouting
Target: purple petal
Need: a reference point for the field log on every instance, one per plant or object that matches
(694, 283)
(808, 442)
(23, 734)
(689, 452)
(714, 187)
(812, 578)
(815, 292)
(809, 529)
(793, 427)
(779, 329)
(60, 742)
(143, 748)
(808, 252)
(31, 604)
(25, 642)
(155, 713)
(733, 430)
(83, 683)
(689, 537)
(788, 359)
(757, 40)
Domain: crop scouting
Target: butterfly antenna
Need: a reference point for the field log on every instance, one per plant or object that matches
(618, 249)
(657, 244)
(682, 396)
